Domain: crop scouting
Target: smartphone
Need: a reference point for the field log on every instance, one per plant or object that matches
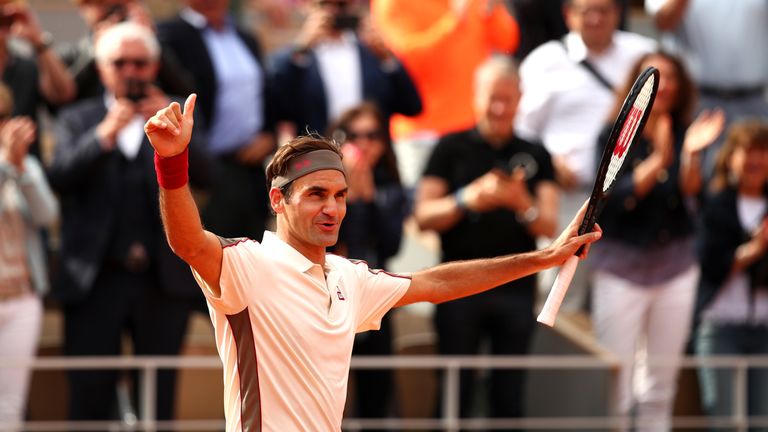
(135, 89)
(345, 21)
(118, 11)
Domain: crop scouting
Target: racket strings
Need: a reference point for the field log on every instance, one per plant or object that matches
(628, 131)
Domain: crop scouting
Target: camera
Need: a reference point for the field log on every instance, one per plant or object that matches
(346, 21)
(135, 89)
(116, 10)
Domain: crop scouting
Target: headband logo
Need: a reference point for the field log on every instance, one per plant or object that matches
(302, 164)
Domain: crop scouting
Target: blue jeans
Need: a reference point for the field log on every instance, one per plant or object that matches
(716, 384)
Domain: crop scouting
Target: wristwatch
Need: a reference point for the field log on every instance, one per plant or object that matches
(46, 41)
(528, 216)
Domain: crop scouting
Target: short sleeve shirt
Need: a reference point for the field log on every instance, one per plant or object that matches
(284, 330)
(461, 158)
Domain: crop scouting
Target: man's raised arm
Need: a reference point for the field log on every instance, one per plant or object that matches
(459, 279)
(169, 131)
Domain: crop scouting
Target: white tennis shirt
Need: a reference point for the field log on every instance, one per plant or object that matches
(284, 332)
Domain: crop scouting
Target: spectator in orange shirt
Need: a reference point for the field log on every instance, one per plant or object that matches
(441, 43)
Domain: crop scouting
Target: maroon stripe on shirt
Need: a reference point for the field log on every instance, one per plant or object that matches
(248, 369)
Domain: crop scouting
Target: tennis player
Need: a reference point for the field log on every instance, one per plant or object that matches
(285, 313)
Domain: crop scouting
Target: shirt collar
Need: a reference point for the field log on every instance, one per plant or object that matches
(576, 48)
(193, 17)
(347, 39)
(284, 252)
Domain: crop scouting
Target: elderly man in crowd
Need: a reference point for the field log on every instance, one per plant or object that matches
(117, 274)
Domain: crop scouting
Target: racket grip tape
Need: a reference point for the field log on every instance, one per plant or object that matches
(557, 293)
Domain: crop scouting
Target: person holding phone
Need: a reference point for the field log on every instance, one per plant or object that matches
(98, 16)
(117, 275)
(337, 61)
(39, 79)
(488, 192)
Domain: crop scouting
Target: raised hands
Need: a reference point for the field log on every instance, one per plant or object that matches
(700, 135)
(16, 135)
(496, 189)
(703, 131)
(24, 23)
(170, 130)
(664, 140)
(360, 174)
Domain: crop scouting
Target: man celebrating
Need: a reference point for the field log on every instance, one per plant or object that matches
(284, 311)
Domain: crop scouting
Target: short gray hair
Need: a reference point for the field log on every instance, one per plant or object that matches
(122, 32)
(495, 66)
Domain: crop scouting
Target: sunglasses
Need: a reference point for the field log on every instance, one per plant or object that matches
(138, 63)
(370, 135)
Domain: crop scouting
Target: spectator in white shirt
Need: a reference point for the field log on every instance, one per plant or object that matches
(567, 93)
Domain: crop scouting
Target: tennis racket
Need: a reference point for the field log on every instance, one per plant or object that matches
(626, 129)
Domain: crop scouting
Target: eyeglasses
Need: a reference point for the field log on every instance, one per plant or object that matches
(370, 135)
(138, 63)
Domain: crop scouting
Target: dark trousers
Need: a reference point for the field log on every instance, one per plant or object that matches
(121, 302)
(503, 319)
(238, 204)
(716, 384)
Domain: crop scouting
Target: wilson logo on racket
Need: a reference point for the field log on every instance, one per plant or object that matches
(628, 131)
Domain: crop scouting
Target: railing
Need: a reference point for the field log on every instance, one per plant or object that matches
(450, 421)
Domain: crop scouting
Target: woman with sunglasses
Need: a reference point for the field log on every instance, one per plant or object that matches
(372, 230)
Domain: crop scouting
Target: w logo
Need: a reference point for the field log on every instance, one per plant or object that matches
(628, 131)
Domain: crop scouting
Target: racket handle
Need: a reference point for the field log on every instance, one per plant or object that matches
(557, 293)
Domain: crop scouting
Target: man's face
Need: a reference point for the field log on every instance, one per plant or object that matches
(315, 209)
(595, 20)
(213, 10)
(128, 61)
(496, 100)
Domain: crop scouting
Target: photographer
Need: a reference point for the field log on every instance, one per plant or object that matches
(488, 192)
(34, 79)
(338, 61)
(117, 274)
(99, 15)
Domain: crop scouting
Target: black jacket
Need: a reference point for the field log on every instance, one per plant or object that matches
(187, 44)
(85, 177)
(720, 234)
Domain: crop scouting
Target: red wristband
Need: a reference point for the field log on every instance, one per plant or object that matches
(172, 172)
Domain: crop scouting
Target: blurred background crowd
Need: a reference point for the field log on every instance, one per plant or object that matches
(469, 128)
